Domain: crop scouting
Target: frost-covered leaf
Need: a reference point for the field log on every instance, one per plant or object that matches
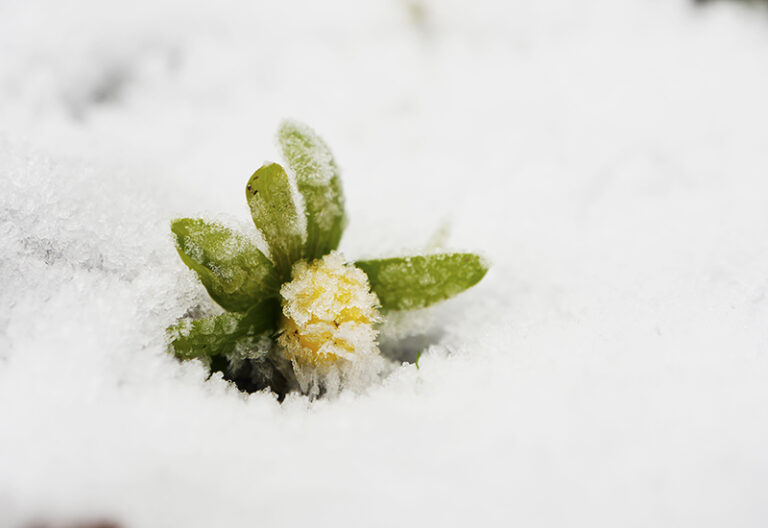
(317, 179)
(236, 274)
(228, 334)
(407, 283)
(276, 213)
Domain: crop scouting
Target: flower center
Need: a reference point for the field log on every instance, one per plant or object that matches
(328, 313)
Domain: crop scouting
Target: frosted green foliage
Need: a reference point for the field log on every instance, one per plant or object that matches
(261, 342)
(317, 178)
(236, 274)
(277, 215)
(226, 334)
(407, 283)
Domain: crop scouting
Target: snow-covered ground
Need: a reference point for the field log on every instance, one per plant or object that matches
(610, 157)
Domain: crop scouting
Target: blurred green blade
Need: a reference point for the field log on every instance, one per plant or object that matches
(276, 214)
(407, 283)
(222, 334)
(317, 179)
(236, 274)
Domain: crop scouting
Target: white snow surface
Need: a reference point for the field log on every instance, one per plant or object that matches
(609, 157)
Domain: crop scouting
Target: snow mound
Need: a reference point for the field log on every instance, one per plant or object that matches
(608, 157)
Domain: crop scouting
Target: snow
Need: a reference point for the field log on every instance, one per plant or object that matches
(608, 157)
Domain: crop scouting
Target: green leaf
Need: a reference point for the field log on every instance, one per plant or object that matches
(317, 179)
(415, 282)
(276, 214)
(236, 274)
(225, 333)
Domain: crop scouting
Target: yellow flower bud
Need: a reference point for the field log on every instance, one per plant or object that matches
(328, 314)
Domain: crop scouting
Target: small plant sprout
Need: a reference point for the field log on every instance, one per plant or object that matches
(302, 317)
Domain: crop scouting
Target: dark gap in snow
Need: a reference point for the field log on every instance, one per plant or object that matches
(253, 376)
(408, 349)
(250, 375)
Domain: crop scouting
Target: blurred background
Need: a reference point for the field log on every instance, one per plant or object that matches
(609, 157)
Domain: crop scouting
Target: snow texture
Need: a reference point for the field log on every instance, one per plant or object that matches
(609, 158)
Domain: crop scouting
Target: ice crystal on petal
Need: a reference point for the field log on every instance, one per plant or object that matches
(328, 318)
